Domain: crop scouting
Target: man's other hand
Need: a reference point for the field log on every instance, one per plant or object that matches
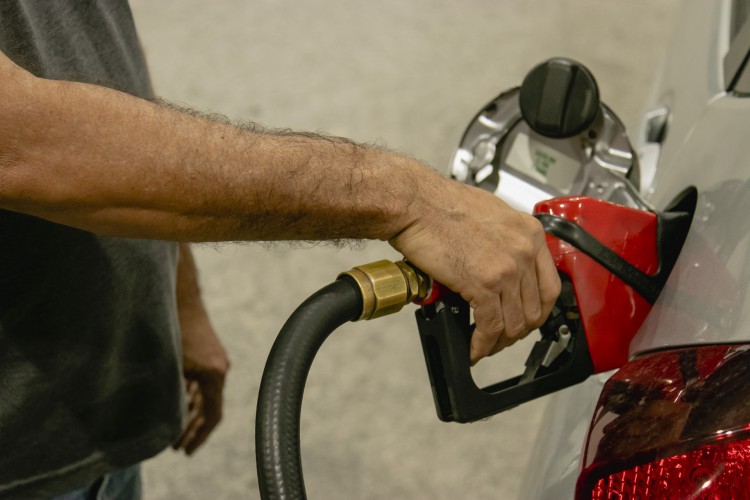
(205, 363)
(204, 372)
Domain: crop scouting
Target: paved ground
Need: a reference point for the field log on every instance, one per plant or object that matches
(409, 75)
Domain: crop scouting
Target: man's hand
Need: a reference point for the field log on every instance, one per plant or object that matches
(205, 363)
(494, 256)
(205, 384)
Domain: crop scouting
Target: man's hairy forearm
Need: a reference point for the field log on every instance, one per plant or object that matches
(114, 164)
(111, 163)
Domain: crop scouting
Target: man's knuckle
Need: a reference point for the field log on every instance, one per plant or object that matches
(495, 275)
(539, 321)
(495, 327)
(506, 271)
(490, 328)
(534, 226)
(515, 329)
(491, 280)
(485, 281)
(550, 292)
(534, 315)
(527, 250)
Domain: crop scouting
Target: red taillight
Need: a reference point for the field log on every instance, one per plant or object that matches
(713, 471)
(672, 424)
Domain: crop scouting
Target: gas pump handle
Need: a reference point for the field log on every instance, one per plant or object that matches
(445, 331)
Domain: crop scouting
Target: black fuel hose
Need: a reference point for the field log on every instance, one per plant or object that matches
(277, 425)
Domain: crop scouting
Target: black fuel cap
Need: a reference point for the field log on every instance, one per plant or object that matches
(559, 98)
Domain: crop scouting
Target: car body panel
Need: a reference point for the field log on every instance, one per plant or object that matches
(704, 298)
(556, 457)
(706, 145)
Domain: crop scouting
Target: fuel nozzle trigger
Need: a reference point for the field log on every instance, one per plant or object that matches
(558, 360)
(554, 343)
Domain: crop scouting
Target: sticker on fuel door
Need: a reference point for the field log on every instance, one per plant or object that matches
(542, 162)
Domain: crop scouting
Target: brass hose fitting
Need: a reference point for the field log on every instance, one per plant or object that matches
(388, 286)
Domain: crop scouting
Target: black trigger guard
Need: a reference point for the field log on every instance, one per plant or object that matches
(445, 332)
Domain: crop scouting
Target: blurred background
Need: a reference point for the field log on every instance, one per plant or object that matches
(410, 76)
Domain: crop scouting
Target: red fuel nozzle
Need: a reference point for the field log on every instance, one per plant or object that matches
(611, 308)
(613, 261)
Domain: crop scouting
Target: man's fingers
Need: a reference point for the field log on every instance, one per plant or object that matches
(193, 403)
(502, 344)
(211, 399)
(514, 320)
(532, 307)
(194, 416)
(193, 392)
(212, 406)
(497, 319)
(523, 307)
(488, 317)
(193, 430)
(513, 311)
(197, 439)
(548, 281)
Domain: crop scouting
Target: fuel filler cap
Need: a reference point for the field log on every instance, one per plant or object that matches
(559, 98)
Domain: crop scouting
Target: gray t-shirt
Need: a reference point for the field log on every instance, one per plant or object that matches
(89, 372)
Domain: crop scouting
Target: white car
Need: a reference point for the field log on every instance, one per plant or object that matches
(674, 420)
